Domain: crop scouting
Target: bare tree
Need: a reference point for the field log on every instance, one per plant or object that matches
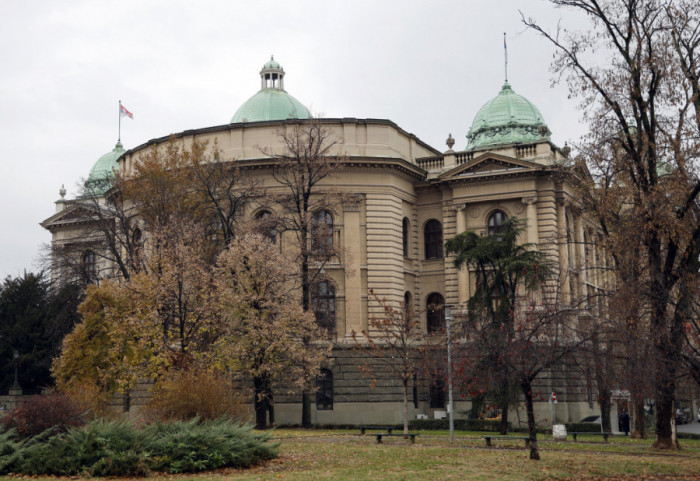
(395, 340)
(644, 116)
(307, 200)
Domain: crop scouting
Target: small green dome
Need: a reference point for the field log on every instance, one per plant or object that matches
(98, 180)
(509, 118)
(272, 102)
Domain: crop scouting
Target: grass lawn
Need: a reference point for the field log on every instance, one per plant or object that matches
(345, 455)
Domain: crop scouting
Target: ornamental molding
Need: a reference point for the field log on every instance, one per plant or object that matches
(352, 202)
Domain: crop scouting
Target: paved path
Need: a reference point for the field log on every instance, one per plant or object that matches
(693, 427)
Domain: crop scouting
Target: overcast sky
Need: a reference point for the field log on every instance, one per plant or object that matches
(64, 65)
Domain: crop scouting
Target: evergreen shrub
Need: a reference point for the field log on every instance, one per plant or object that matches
(104, 448)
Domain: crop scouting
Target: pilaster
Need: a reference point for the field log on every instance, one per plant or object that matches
(353, 274)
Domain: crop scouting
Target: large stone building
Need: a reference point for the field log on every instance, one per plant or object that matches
(401, 199)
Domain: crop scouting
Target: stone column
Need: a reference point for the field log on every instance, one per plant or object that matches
(581, 255)
(352, 258)
(563, 250)
(533, 236)
(463, 273)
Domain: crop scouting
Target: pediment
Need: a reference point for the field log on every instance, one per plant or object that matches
(491, 164)
(72, 214)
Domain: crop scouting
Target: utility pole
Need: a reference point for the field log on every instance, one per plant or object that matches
(450, 403)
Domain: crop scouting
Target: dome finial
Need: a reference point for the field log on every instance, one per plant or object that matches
(62, 191)
(505, 49)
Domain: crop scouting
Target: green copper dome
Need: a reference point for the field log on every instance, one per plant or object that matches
(272, 102)
(509, 118)
(98, 180)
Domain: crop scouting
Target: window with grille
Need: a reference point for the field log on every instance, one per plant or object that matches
(435, 312)
(322, 233)
(323, 305)
(324, 390)
(433, 239)
(497, 222)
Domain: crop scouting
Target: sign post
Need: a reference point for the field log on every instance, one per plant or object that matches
(553, 402)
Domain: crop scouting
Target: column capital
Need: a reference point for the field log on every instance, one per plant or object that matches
(529, 200)
(352, 202)
(458, 206)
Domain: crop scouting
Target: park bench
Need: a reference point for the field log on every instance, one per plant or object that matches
(605, 435)
(524, 438)
(375, 428)
(379, 436)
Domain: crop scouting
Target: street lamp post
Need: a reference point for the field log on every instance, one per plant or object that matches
(16, 389)
(450, 403)
(15, 385)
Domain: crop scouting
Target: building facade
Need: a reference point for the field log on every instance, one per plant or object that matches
(401, 199)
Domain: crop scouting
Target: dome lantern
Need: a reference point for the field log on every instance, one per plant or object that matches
(272, 75)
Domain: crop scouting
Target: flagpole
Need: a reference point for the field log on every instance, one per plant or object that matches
(505, 51)
(120, 121)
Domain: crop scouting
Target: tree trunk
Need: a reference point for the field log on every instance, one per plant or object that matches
(639, 428)
(405, 405)
(270, 404)
(531, 425)
(306, 306)
(305, 410)
(260, 405)
(665, 432)
(605, 406)
(504, 416)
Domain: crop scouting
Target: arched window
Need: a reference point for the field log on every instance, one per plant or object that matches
(322, 233)
(433, 239)
(323, 305)
(435, 312)
(406, 227)
(89, 265)
(408, 304)
(497, 222)
(324, 390)
(136, 238)
(266, 225)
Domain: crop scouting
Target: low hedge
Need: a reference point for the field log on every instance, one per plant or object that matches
(105, 448)
(582, 427)
(460, 424)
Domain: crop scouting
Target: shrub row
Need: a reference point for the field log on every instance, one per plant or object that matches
(460, 424)
(105, 448)
(582, 427)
